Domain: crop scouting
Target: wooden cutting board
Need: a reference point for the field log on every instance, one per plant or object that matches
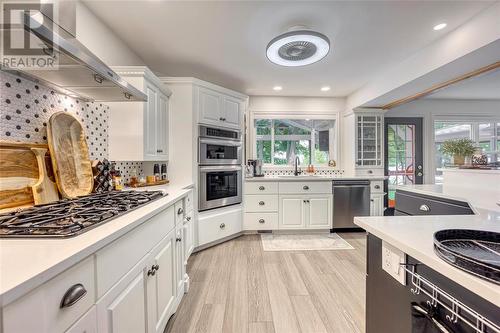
(44, 190)
(18, 172)
(70, 155)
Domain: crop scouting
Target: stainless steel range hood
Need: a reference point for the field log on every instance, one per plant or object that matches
(79, 72)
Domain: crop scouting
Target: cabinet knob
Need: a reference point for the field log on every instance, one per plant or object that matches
(262, 188)
(261, 203)
(377, 187)
(156, 267)
(372, 200)
(305, 187)
(180, 211)
(188, 218)
(262, 221)
(222, 225)
(424, 208)
(370, 171)
(73, 295)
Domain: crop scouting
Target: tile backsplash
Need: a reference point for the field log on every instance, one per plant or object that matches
(288, 171)
(25, 109)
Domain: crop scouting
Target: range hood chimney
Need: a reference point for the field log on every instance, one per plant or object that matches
(78, 72)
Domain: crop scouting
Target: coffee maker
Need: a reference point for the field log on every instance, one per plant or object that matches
(256, 167)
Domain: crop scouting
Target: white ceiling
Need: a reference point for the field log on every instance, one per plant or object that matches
(225, 42)
(483, 87)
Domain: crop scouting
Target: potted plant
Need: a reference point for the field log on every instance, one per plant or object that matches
(459, 149)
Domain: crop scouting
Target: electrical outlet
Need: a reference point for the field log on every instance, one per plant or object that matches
(392, 258)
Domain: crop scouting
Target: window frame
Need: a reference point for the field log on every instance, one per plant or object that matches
(333, 148)
(474, 121)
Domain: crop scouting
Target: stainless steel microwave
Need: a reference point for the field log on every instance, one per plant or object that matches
(219, 146)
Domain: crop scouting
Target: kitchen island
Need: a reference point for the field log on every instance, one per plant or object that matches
(412, 236)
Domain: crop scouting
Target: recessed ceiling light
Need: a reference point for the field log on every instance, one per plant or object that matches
(440, 26)
(298, 48)
(325, 88)
(277, 88)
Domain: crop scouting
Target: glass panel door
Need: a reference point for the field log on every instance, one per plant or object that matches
(369, 148)
(403, 166)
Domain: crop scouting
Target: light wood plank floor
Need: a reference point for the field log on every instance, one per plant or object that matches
(236, 287)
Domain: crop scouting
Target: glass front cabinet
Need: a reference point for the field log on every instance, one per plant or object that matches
(369, 142)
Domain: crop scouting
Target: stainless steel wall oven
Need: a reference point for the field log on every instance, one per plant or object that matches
(219, 167)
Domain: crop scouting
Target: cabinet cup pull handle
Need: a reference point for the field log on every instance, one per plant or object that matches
(178, 239)
(262, 188)
(73, 295)
(424, 208)
(180, 211)
(188, 218)
(261, 203)
(156, 267)
(222, 225)
(151, 272)
(377, 186)
(305, 187)
(262, 221)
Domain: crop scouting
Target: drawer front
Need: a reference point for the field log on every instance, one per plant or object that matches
(369, 172)
(261, 203)
(377, 186)
(260, 221)
(117, 258)
(305, 187)
(179, 212)
(426, 205)
(39, 311)
(213, 227)
(261, 188)
(189, 201)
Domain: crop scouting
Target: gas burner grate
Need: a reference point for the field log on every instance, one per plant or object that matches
(70, 217)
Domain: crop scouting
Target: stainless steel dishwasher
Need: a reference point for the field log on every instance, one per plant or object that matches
(350, 198)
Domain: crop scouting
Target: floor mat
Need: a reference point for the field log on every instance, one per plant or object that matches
(304, 242)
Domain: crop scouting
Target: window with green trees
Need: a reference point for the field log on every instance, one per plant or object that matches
(279, 141)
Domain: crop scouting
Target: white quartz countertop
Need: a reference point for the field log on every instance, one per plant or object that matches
(27, 263)
(414, 235)
(310, 178)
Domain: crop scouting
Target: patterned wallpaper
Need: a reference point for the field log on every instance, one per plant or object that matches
(25, 109)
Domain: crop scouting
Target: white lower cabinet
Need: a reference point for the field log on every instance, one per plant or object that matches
(292, 212)
(319, 212)
(377, 204)
(179, 261)
(305, 211)
(161, 284)
(86, 324)
(123, 308)
(188, 235)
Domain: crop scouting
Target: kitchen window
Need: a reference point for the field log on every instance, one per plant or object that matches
(485, 135)
(279, 141)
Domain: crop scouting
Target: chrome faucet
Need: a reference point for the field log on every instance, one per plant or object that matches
(297, 162)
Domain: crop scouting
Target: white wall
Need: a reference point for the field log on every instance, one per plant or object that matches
(295, 105)
(436, 109)
(102, 41)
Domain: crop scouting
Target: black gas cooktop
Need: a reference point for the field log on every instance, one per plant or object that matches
(71, 217)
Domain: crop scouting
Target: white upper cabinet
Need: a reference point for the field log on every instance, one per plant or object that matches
(138, 131)
(219, 109)
(232, 112)
(369, 133)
